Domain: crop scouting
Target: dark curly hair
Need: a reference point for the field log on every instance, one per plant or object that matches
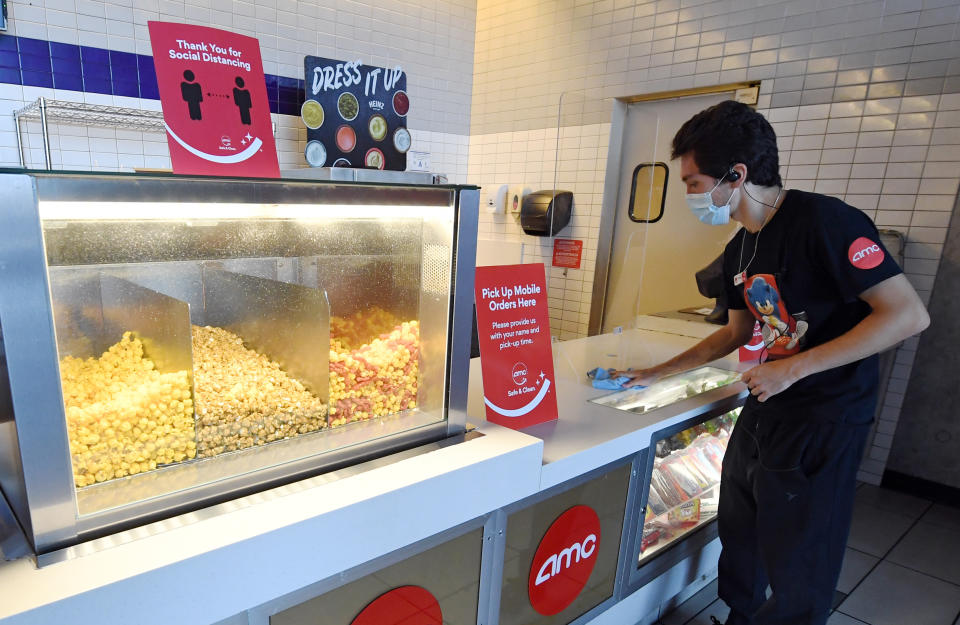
(730, 133)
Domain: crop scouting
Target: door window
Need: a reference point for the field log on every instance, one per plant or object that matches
(648, 193)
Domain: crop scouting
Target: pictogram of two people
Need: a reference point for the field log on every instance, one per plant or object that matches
(192, 94)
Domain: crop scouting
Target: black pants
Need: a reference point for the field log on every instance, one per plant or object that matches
(786, 502)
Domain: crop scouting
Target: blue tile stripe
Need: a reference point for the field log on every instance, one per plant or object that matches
(40, 63)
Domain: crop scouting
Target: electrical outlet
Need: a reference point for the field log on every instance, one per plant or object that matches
(496, 200)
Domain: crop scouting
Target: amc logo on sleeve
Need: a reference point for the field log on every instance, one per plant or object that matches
(865, 254)
(564, 560)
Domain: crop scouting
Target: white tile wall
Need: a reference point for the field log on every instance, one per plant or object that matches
(915, 197)
(433, 41)
(864, 96)
(530, 158)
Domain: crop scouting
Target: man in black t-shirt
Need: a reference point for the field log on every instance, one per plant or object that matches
(828, 295)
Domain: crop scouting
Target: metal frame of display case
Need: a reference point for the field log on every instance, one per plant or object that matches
(636, 576)
(35, 467)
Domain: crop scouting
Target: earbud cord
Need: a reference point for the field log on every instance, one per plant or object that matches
(756, 241)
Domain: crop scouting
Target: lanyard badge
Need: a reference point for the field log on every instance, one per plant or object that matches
(740, 278)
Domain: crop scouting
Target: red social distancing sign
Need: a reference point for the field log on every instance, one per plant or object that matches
(214, 99)
(564, 560)
(406, 605)
(516, 356)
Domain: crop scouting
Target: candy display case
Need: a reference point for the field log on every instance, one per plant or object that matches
(685, 483)
(174, 342)
(678, 488)
(684, 480)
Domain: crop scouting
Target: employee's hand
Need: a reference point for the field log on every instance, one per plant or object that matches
(638, 377)
(770, 378)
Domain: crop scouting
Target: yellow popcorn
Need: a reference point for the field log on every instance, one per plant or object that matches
(107, 402)
(243, 398)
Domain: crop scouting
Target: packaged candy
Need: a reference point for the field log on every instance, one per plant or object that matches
(655, 505)
(668, 492)
(650, 538)
(681, 477)
(686, 514)
(687, 459)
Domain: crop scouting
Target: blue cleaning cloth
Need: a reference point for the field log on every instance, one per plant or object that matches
(602, 379)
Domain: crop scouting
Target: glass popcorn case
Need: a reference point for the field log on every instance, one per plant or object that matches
(173, 342)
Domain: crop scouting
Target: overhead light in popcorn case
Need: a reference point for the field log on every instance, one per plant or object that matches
(214, 99)
(355, 114)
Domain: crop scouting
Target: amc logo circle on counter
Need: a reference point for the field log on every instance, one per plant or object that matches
(564, 560)
(406, 605)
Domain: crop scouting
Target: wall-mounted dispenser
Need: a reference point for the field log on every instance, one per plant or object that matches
(545, 213)
(496, 202)
(515, 195)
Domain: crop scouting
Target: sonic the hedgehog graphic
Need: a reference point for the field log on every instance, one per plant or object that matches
(779, 329)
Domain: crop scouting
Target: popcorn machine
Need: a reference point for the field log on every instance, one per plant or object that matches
(173, 342)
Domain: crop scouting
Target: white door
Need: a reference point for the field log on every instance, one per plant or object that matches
(652, 265)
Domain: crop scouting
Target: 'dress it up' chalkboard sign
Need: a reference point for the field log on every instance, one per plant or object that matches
(355, 114)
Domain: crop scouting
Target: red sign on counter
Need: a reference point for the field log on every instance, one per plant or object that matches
(214, 99)
(516, 356)
(564, 560)
(751, 351)
(407, 605)
(567, 253)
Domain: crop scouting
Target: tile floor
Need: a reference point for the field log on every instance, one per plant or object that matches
(902, 567)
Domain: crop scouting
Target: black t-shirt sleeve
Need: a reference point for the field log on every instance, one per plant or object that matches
(847, 246)
(735, 299)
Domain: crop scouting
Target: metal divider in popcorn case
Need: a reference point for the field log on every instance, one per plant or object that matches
(355, 114)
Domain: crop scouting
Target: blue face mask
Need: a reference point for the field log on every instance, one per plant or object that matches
(706, 211)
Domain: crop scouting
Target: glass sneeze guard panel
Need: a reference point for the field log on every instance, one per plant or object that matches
(668, 391)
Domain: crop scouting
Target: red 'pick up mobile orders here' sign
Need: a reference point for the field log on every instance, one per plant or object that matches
(516, 356)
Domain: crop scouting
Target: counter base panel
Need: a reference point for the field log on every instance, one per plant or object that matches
(699, 566)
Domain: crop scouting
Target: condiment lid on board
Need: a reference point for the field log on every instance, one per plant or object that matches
(401, 140)
(315, 153)
(374, 158)
(311, 112)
